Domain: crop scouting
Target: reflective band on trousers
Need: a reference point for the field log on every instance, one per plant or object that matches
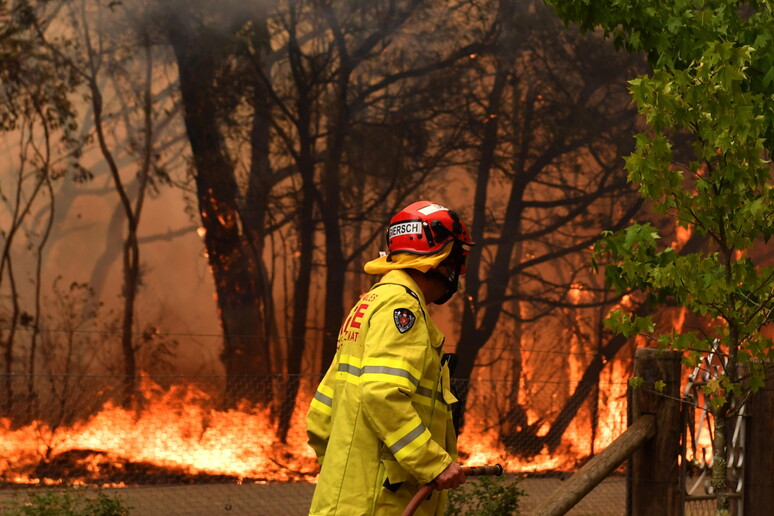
(407, 439)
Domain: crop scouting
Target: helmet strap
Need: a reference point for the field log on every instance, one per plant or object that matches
(452, 282)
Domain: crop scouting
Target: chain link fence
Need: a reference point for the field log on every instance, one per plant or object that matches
(183, 446)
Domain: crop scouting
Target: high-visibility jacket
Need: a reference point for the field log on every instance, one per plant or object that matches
(380, 421)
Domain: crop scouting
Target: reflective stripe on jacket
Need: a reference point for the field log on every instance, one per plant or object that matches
(380, 421)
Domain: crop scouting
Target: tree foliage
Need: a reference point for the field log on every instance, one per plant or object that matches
(711, 87)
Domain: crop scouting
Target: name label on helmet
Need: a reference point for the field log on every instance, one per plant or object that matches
(405, 228)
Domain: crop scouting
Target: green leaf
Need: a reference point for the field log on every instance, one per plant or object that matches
(635, 382)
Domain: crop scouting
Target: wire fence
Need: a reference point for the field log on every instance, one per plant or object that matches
(183, 447)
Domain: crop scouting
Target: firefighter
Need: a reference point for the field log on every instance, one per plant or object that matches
(380, 422)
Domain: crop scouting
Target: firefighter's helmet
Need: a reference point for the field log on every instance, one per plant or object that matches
(423, 236)
(424, 227)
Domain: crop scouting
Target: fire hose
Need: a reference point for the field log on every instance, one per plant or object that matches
(469, 471)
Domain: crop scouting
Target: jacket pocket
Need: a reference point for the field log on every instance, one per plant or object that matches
(394, 475)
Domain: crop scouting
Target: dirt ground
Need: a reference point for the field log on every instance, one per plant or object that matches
(607, 499)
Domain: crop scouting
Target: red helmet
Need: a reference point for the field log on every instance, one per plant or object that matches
(424, 227)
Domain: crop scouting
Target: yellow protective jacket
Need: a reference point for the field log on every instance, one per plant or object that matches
(380, 421)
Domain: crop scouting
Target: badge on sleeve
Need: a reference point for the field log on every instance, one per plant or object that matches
(404, 319)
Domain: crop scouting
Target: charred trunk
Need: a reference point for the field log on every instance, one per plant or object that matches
(305, 229)
(300, 311)
(131, 280)
(334, 257)
(236, 274)
(334, 301)
(589, 381)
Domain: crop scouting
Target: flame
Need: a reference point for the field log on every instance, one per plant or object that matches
(680, 321)
(478, 446)
(575, 292)
(179, 433)
(523, 450)
(682, 235)
(177, 430)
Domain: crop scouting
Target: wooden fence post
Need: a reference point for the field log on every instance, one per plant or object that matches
(655, 474)
(652, 440)
(759, 451)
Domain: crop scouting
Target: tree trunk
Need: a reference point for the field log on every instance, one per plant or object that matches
(259, 185)
(305, 229)
(334, 257)
(9, 344)
(22, 204)
(720, 461)
(235, 271)
(472, 338)
(588, 382)
(131, 279)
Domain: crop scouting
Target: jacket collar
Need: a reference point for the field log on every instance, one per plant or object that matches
(401, 277)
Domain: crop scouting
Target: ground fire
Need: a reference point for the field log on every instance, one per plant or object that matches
(179, 437)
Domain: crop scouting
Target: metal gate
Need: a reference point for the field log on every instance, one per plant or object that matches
(697, 453)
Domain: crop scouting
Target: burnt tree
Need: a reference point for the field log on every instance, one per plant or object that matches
(231, 239)
(554, 120)
(362, 108)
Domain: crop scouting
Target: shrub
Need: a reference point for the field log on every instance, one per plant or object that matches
(486, 496)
